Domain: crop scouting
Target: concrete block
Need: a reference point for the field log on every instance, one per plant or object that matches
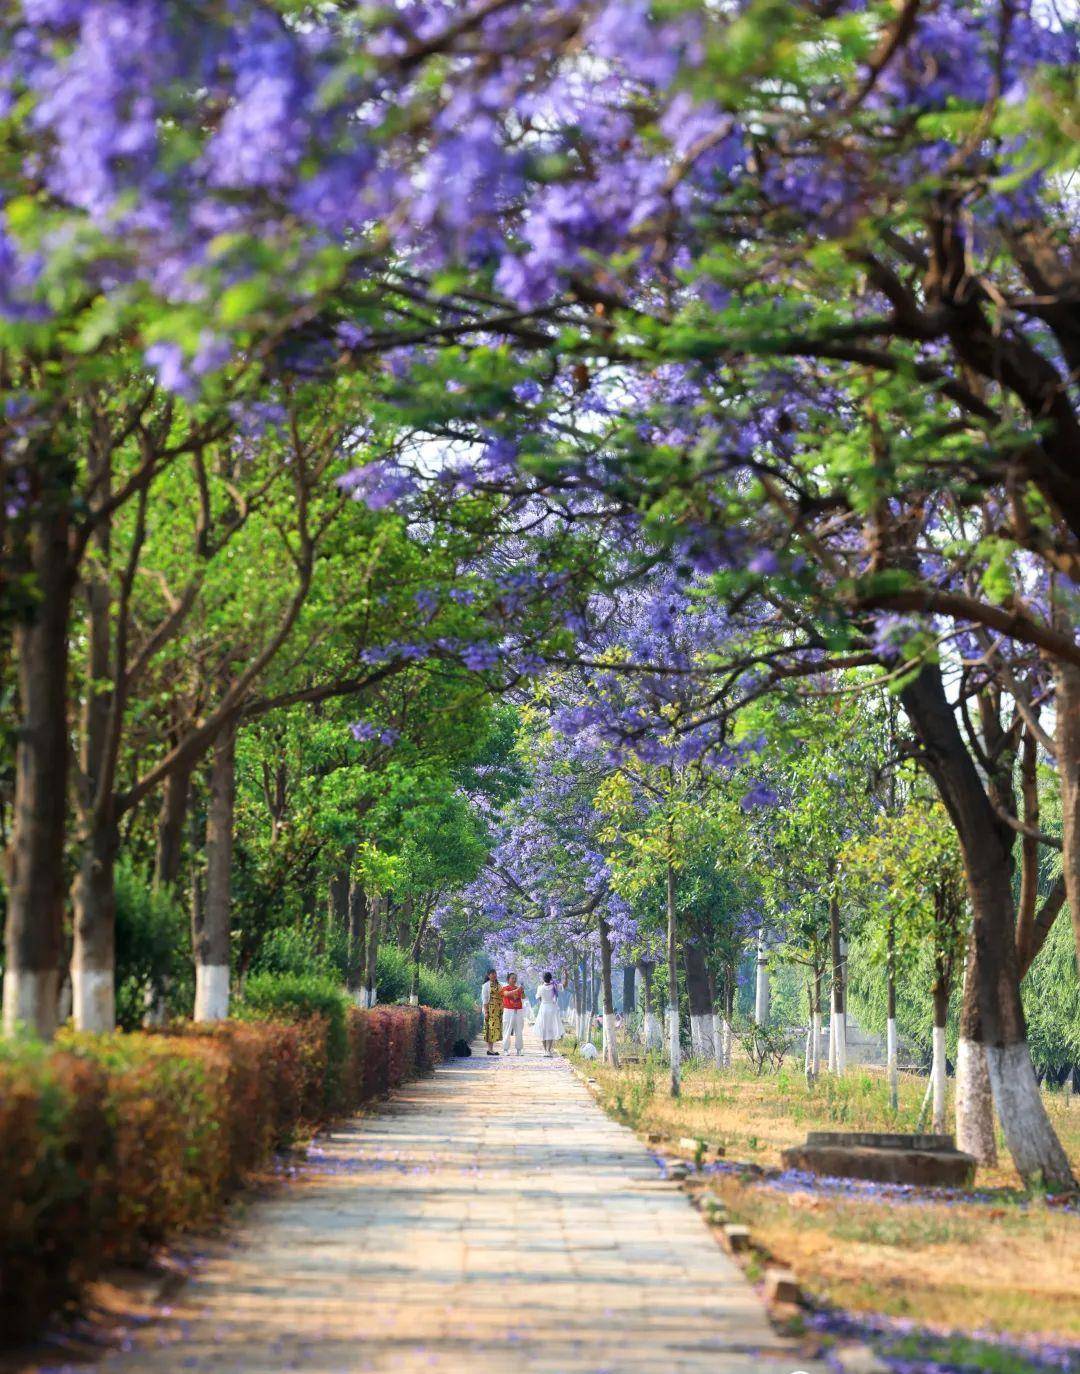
(737, 1237)
(781, 1285)
(859, 1359)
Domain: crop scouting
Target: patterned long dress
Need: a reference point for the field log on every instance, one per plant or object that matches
(493, 1027)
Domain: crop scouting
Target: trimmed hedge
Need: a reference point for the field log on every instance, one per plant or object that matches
(109, 1144)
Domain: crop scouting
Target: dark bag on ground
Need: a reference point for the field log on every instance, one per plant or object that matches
(462, 1049)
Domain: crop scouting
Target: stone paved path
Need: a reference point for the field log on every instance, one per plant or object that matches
(491, 1218)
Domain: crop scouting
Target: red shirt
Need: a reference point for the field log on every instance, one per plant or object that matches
(513, 997)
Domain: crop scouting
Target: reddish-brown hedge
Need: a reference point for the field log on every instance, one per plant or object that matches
(110, 1144)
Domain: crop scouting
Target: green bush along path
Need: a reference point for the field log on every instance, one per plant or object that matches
(489, 1217)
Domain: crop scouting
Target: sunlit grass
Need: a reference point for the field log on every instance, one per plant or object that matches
(1001, 1261)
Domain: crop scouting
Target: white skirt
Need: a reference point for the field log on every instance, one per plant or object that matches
(548, 1022)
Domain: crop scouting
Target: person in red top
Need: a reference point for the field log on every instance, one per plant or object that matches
(513, 1014)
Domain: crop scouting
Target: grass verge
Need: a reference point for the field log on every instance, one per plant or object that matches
(996, 1261)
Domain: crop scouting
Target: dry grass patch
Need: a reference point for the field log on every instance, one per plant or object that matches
(1001, 1261)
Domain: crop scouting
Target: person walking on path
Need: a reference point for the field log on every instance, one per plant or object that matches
(513, 1000)
(491, 1004)
(549, 1025)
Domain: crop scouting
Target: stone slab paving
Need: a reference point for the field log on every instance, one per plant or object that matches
(489, 1218)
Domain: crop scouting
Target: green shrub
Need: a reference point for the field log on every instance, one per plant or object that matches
(392, 969)
(301, 997)
(153, 962)
(438, 988)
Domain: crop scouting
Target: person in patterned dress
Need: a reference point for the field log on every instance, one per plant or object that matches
(491, 1004)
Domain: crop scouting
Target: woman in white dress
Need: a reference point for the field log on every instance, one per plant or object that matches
(548, 1020)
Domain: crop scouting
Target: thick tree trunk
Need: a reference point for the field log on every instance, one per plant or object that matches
(838, 1020)
(93, 958)
(211, 925)
(358, 916)
(815, 1064)
(673, 980)
(992, 1022)
(35, 855)
(699, 997)
(611, 1048)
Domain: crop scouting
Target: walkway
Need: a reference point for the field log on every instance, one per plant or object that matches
(491, 1218)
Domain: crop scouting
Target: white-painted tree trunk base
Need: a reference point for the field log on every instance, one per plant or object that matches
(838, 1043)
(702, 1045)
(30, 1002)
(674, 1049)
(211, 992)
(815, 1062)
(654, 1036)
(360, 997)
(414, 1000)
(611, 1049)
(974, 1103)
(719, 1028)
(938, 1071)
(762, 989)
(891, 1066)
(671, 1033)
(93, 999)
(1035, 1149)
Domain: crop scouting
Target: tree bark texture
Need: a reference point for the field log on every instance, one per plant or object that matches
(211, 930)
(992, 1017)
(35, 855)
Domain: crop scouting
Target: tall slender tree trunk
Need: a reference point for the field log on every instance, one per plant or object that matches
(629, 992)
(891, 1065)
(993, 1036)
(938, 1065)
(762, 986)
(673, 981)
(211, 932)
(93, 958)
(699, 997)
(1067, 751)
(414, 956)
(35, 854)
(376, 915)
(651, 1031)
(838, 1027)
(611, 1047)
(815, 1057)
(356, 980)
(337, 901)
(169, 842)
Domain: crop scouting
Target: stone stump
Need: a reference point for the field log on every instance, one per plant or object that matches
(927, 1161)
